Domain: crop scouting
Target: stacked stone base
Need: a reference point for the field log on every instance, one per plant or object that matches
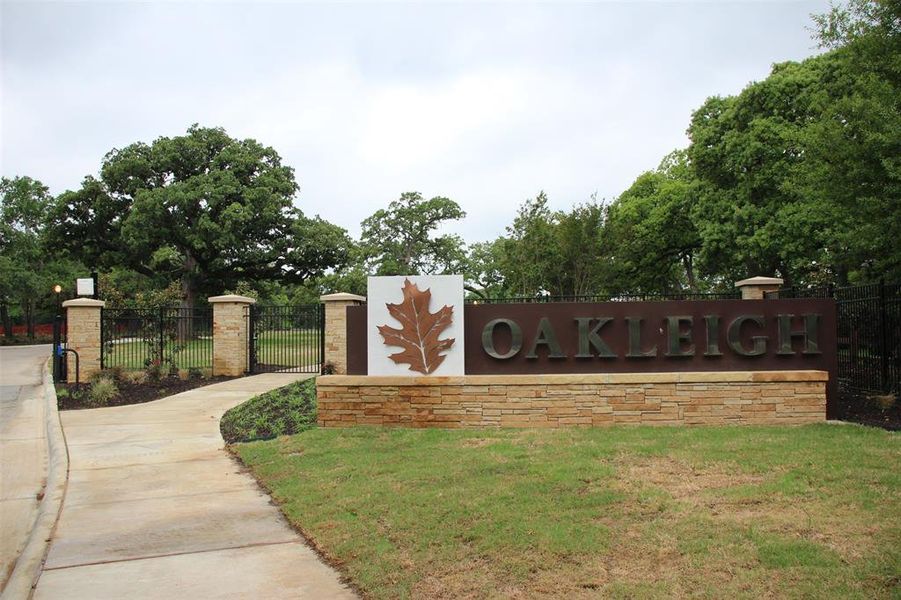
(747, 398)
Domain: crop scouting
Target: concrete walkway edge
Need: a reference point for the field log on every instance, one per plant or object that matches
(28, 567)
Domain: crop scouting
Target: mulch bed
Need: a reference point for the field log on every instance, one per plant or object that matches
(134, 393)
(867, 409)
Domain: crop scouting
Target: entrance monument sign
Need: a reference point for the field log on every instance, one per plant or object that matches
(417, 356)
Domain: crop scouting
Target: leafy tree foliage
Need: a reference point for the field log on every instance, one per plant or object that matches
(547, 252)
(203, 209)
(655, 240)
(28, 270)
(529, 251)
(801, 171)
(485, 269)
(400, 240)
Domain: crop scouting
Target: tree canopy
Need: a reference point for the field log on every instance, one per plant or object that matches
(203, 209)
(400, 240)
(28, 268)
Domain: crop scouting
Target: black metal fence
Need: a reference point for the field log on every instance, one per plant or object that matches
(287, 339)
(60, 372)
(869, 333)
(608, 298)
(170, 339)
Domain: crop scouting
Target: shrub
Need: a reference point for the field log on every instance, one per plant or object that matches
(153, 372)
(115, 374)
(134, 377)
(102, 391)
(195, 373)
(283, 411)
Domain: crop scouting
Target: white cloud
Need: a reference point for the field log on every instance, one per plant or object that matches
(486, 104)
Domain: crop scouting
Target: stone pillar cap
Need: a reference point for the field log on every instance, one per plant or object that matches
(342, 297)
(84, 302)
(759, 280)
(231, 298)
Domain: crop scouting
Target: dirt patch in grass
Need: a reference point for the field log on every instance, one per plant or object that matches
(679, 479)
(707, 490)
(476, 442)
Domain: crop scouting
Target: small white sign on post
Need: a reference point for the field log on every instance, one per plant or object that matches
(84, 286)
(415, 325)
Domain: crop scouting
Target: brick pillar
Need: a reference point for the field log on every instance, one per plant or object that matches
(83, 336)
(230, 328)
(336, 328)
(755, 287)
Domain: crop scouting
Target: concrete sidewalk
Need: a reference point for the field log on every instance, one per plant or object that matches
(155, 508)
(23, 448)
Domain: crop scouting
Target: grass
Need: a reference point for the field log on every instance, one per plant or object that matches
(740, 512)
(273, 347)
(286, 410)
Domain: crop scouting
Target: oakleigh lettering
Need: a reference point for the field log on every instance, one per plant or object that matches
(561, 338)
(677, 336)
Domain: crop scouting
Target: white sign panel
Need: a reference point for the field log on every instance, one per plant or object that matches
(415, 325)
(84, 286)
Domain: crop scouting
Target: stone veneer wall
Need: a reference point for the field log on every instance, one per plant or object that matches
(230, 330)
(83, 336)
(752, 398)
(336, 329)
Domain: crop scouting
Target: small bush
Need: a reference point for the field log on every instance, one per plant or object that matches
(328, 368)
(102, 391)
(153, 372)
(115, 374)
(195, 373)
(284, 411)
(134, 377)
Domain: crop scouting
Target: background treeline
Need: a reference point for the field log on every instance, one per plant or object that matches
(798, 176)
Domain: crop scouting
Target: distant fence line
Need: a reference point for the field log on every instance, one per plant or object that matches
(608, 298)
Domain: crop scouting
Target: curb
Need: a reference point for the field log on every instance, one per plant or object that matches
(30, 563)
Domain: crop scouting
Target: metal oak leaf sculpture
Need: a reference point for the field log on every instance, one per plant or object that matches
(420, 329)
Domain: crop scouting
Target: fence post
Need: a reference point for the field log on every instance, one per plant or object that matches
(335, 349)
(162, 331)
(230, 334)
(57, 348)
(321, 335)
(758, 288)
(83, 336)
(883, 326)
(251, 314)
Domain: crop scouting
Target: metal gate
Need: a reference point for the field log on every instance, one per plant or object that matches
(868, 333)
(286, 339)
(171, 340)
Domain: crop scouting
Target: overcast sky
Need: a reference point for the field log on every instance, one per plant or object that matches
(484, 103)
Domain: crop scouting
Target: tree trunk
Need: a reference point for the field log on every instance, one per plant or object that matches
(688, 263)
(4, 316)
(186, 314)
(29, 318)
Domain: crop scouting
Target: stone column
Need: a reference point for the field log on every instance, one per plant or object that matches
(336, 328)
(231, 321)
(83, 336)
(755, 287)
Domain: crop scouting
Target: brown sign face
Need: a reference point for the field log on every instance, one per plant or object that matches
(617, 337)
(623, 337)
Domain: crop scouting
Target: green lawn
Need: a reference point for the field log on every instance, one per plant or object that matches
(273, 347)
(131, 355)
(740, 512)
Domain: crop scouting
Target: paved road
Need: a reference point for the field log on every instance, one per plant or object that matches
(155, 508)
(23, 447)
